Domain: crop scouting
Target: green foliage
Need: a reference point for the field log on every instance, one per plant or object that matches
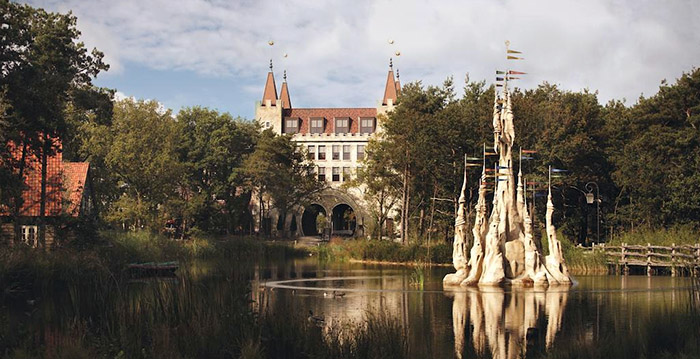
(385, 251)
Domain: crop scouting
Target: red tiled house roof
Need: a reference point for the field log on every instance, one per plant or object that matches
(329, 114)
(64, 181)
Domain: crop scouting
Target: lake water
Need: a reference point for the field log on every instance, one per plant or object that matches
(600, 316)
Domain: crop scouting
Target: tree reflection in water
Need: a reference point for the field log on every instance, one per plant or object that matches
(506, 324)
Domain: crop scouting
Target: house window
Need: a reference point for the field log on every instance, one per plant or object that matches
(336, 152)
(317, 125)
(342, 124)
(30, 235)
(367, 125)
(311, 155)
(346, 152)
(346, 174)
(336, 174)
(291, 125)
(321, 173)
(321, 152)
(360, 152)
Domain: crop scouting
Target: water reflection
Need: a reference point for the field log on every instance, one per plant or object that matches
(506, 324)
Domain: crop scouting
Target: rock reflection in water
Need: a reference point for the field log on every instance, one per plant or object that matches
(507, 324)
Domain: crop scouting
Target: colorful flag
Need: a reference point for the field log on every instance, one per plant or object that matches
(514, 52)
(529, 151)
(499, 78)
(511, 72)
(559, 170)
(501, 179)
(490, 153)
(499, 85)
(473, 158)
(527, 158)
(513, 78)
(473, 165)
(500, 72)
(515, 58)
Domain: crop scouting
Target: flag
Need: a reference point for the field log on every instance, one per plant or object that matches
(515, 58)
(559, 170)
(499, 85)
(527, 158)
(473, 158)
(490, 170)
(502, 167)
(529, 151)
(500, 72)
(499, 78)
(490, 153)
(473, 165)
(511, 72)
(501, 179)
(513, 78)
(514, 52)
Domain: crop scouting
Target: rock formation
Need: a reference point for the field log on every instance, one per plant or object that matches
(504, 249)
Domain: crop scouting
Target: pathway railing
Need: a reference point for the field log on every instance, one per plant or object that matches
(680, 259)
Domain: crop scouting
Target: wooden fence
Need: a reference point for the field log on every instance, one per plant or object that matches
(679, 260)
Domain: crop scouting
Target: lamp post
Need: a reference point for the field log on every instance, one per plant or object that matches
(590, 199)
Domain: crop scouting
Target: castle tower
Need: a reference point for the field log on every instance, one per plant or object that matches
(268, 112)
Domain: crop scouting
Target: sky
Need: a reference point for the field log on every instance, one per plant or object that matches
(215, 53)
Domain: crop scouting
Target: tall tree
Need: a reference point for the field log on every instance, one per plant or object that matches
(142, 154)
(278, 169)
(42, 60)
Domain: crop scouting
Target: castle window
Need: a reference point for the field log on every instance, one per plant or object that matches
(336, 174)
(291, 125)
(367, 125)
(312, 153)
(346, 152)
(346, 174)
(321, 152)
(317, 125)
(336, 152)
(321, 173)
(342, 125)
(360, 152)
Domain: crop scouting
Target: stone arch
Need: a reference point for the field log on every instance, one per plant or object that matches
(329, 199)
(343, 220)
(308, 219)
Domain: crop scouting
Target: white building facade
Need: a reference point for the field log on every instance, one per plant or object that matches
(335, 139)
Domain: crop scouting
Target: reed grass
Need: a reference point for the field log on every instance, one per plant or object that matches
(386, 251)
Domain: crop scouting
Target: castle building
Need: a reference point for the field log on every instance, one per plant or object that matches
(335, 139)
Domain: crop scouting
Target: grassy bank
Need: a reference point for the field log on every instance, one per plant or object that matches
(384, 251)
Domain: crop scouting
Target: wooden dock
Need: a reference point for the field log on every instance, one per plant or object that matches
(679, 260)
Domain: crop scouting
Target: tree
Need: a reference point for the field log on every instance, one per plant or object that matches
(142, 154)
(278, 169)
(41, 62)
(213, 147)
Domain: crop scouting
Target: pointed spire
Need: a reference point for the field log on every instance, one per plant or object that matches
(398, 83)
(284, 93)
(270, 92)
(390, 89)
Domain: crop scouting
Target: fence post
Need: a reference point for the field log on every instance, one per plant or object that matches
(626, 269)
(673, 260)
(649, 270)
(696, 259)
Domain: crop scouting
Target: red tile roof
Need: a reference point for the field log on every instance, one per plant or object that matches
(284, 96)
(74, 179)
(270, 92)
(390, 89)
(305, 115)
(56, 169)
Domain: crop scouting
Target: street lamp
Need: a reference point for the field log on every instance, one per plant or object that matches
(589, 199)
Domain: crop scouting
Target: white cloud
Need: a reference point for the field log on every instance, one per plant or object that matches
(338, 50)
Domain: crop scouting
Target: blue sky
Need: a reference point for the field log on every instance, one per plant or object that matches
(215, 53)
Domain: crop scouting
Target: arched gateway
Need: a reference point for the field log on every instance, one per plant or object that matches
(345, 217)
